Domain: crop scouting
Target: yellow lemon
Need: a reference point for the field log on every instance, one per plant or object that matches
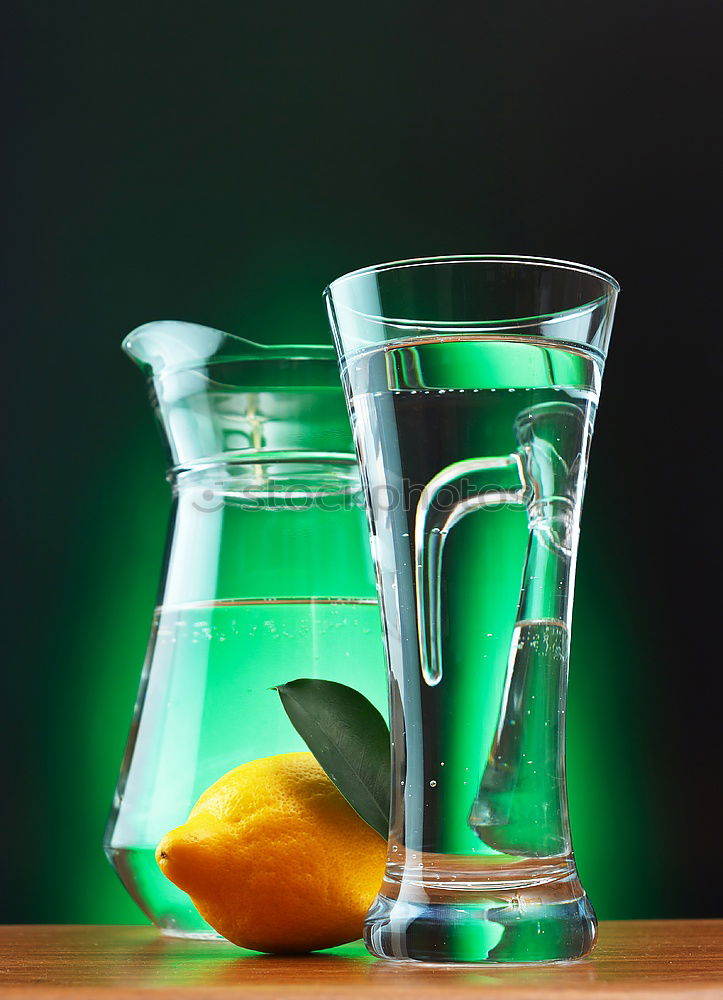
(275, 859)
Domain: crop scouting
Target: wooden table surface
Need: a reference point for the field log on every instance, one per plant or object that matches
(639, 959)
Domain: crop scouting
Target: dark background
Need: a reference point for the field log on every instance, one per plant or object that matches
(220, 162)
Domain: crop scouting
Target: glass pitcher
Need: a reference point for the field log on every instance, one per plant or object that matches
(267, 578)
(473, 384)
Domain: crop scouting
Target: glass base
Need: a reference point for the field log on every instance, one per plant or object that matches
(174, 932)
(165, 905)
(547, 922)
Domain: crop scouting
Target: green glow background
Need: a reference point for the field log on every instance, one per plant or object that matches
(220, 163)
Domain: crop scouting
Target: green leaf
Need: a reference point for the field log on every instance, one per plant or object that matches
(350, 740)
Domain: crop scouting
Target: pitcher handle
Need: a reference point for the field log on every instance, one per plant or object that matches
(431, 528)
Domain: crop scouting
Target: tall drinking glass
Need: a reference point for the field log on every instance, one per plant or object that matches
(472, 384)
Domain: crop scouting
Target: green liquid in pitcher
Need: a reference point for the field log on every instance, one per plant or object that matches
(211, 668)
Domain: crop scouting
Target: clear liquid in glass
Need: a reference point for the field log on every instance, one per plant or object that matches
(479, 815)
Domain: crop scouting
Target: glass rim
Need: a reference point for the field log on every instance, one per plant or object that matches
(413, 262)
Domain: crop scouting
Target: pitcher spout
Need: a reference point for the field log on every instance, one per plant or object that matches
(222, 398)
(166, 345)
